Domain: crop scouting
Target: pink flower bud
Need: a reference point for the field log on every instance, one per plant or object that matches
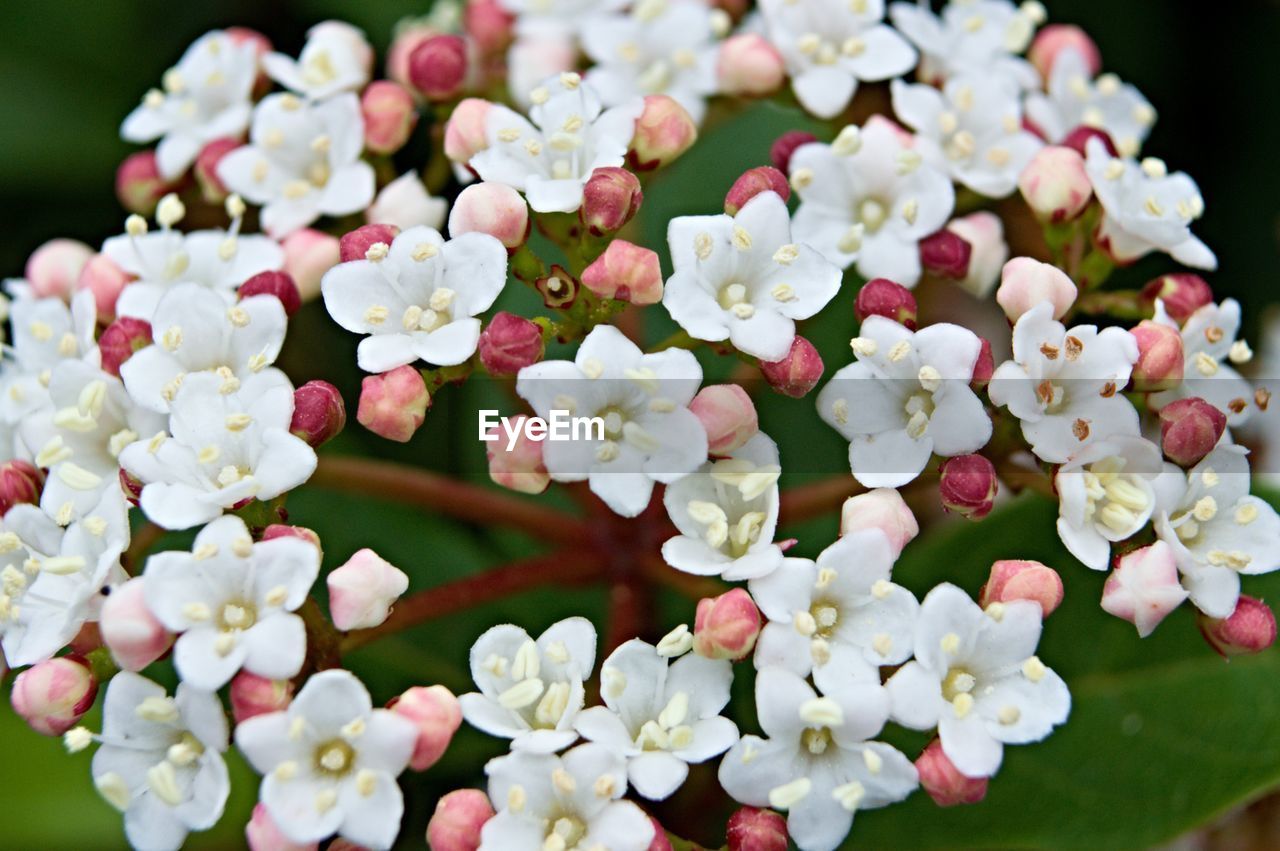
(281, 530)
(944, 782)
(120, 340)
(610, 198)
(352, 37)
(278, 284)
(1078, 139)
(464, 135)
(20, 483)
(1055, 184)
(262, 834)
(751, 829)
(985, 366)
(883, 297)
(1053, 39)
(389, 116)
(626, 272)
(1160, 358)
(968, 486)
(54, 268)
(393, 404)
(456, 823)
(749, 65)
(362, 591)
(131, 486)
(883, 509)
(438, 67)
(797, 373)
(664, 131)
(1183, 293)
(987, 250)
(946, 254)
(437, 714)
(1144, 587)
(726, 627)
(318, 413)
(253, 695)
(355, 244)
(519, 468)
(660, 842)
(488, 25)
(785, 145)
(751, 183)
(1189, 429)
(510, 343)
(1017, 579)
(727, 414)
(53, 695)
(102, 277)
(129, 630)
(407, 39)
(1024, 283)
(139, 186)
(1251, 628)
(308, 254)
(492, 208)
(212, 188)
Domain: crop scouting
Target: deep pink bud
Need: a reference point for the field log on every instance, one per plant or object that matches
(139, 186)
(749, 65)
(510, 343)
(610, 198)
(968, 486)
(726, 627)
(393, 404)
(464, 135)
(1251, 628)
(883, 509)
(751, 183)
(797, 373)
(212, 188)
(883, 297)
(281, 530)
(1018, 579)
(946, 254)
(53, 695)
(988, 251)
(488, 25)
(389, 116)
(985, 366)
(278, 284)
(102, 277)
(308, 254)
(517, 465)
(1053, 39)
(456, 823)
(1055, 185)
(437, 715)
(1183, 293)
(944, 782)
(53, 268)
(254, 695)
(20, 482)
(1078, 139)
(355, 244)
(728, 416)
(627, 272)
(664, 131)
(318, 413)
(492, 208)
(262, 834)
(438, 67)
(785, 145)
(1160, 359)
(751, 829)
(407, 38)
(362, 591)
(119, 340)
(1025, 283)
(1144, 587)
(129, 629)
(1189, 429)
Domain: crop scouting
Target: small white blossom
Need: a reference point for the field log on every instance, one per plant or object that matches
(406, 203)
(1106, 493)
(1106, 104)
(556, 18)
(335, 59)
(46, 332)
(1208, 341)
(986, 35)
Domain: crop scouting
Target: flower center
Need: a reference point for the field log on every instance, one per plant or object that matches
(918, 408)
(957, 682)
(816, 741)
(734, 298)
(1118, 500)
(334, 758)
(872, 214)
(826, 616)
(565, 832)
(237, 615)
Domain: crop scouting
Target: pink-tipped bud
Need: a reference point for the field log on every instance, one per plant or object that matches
(53, 268)
(457, 821)
(751, 183)
(464, 135)
(262, 834)
(627, 272)
(308, 254)
(1024, 283)
(1018, 579)
(1251, 628)
(278, 284)
(281, 530)
(1144, 587)
(438, 67)
(102, 277)
(785, 145)
(751, 829)
(355, 244)
(944, 782)
(54, 695)
(1189, 429)
(139, 186)
(212, 189)
(389, 116)
(987, 250)
(728, 416)
(362, 591)
(883, 509)
(1055, 185)
(488, 25)
(517, 465)
(1183, 293)
(492, 208)
(408, 36)
(510, 343)
(129, 630)
(20, 483)
(318, 413)
(726, 627)
(985, 366)
(883, 297)
(664, 131)
(393, 404)
(749, 65)
(946, 254)
(1051, 40)
(121, 339)
(797, 373)
(253, 695)
(968, 486)
(1078, 139)
(1160, 358)
(437, 715)
(610, 198)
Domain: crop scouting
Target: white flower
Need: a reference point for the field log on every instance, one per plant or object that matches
(1065, 385)
(405, 203)
(530, 691)
(206, 96)
(976, 679)
(46, 332)
(550, 159)
(742, 278)
(195, 330)
(530, 60)
(905, 398)
(230, 443)
(330, 762)
(1106, 104)
(160, 761)
(726, 513)
(1216, 529)
(1208, 341)
(547, 802)
(660, 47)
(830, 45)
(233, 601)
(335, 59)
(972, 129)
(1106, 494)
(1146, 209)
(547, 18)
(417, 299)
(985, 35)
(817, 762)
(650, 435)
(870, 197)
(840, 618)
(303, 161)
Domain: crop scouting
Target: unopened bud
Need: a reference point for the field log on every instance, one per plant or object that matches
(883, 509)
(968, 486)
(726, 627)
(610, 198)
(212, 189)
(1183, 293)
(139, 186)
(946, 254)
(751, 183)
(52, 696)
(785, 145)
(308, 254)
(1055, 185)
(389, 116)
(362, 591)
(281, 530)
(1190, 429)
(488, 25)
(664, 131)
(252, 695)
(519, 467)
(262, 834)
(437, 715)
(393, 404)
(318, 413)
(409, 34)
(1144, 587)
(883, 297)
(728, 416)
(355, 244)
(987, 250)
(20, 483)
(405, 203)
(492, 208)
(751, 829)
(984, 367)
(1251, 628)
(53, 268)
(660, 842)
(129, 630)
(1024, 283)
(464, 135)
(1018, 579)
(438, 67)
(797, 373)
(1160, 359)
(626, 272)
(749, 65)
(120, 340)
(944, 782)
(456, 823)
(278, 284)
(102, 277)
(510, 343)
(1078, 140)
(1051, 40)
